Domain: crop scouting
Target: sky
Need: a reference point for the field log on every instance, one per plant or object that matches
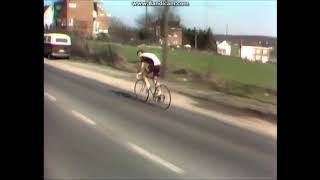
(244, 17)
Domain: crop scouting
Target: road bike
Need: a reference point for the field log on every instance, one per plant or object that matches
(141, 93)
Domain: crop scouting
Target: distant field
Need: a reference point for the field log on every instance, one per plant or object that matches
(228, 68)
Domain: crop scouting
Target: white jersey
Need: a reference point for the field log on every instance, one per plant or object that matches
(148, 57)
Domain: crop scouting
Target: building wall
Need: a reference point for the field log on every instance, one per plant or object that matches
(224, 49)
(174, 35)
(48, 17)
(61, 10)
(247, 52)
(103, 20)
(262, 54)
(79, 15)
(255, 53)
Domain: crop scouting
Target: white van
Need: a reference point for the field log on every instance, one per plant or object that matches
(57, 45)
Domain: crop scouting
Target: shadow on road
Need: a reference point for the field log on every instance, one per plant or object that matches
(131, 97)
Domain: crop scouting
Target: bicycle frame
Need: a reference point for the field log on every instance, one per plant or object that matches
(154, 84)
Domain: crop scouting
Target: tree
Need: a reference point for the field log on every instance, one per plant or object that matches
(146, 33)
(205, 38)
(165, 16)
(211, 41)
(120, 32)
(188, 36)
(156, 14)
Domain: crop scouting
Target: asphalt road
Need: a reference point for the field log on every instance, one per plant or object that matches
(95, 131)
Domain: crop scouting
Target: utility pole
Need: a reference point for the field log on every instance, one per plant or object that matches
(195, 38)
(226, 29)
(146, 23)
(165, 42)
(240, 48)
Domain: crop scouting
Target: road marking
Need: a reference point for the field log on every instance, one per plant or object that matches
(52, 98)
(155, 158)
(82, 117)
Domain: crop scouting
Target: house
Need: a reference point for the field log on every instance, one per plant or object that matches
(174, 32)
(48, 17)
(255, 52)
(224, 48)
(86, 17)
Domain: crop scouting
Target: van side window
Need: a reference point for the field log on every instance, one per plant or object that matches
(61, 40)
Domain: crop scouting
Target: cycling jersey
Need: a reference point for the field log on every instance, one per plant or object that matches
(150, 58)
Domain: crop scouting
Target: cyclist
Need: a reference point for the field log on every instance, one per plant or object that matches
(153, 63)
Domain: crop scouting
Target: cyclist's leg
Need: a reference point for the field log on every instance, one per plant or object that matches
(145, 78)
(156, 71)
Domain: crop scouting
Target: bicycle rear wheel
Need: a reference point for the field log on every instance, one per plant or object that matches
(140, 90)
(165, 97)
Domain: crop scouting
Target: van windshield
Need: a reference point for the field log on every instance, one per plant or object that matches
(61, 40)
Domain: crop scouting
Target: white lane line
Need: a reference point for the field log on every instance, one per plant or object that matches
(52, 98)
(83, 118)
(155, 158)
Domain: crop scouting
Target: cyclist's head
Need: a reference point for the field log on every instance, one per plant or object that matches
(139, 52)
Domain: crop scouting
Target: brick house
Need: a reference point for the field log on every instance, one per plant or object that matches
(174, 32)
(86, 17)
(47, 17)
(101, 19)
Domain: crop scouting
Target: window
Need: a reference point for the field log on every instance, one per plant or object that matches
(63, 22)
(58, 7)
(258, 51)
(71, 22)
(265, 52)
(61, 40)
(264, 58)
(49, 39)
(72, 5)
(96, 26)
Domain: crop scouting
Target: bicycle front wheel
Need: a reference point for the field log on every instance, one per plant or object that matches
(140, 90)
(165, 97)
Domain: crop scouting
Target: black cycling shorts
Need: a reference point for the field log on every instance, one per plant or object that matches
(154, 69)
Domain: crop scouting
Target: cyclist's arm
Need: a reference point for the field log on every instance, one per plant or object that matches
(142, 64)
